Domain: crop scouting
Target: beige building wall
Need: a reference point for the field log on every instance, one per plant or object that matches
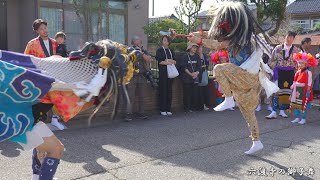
(138, 16)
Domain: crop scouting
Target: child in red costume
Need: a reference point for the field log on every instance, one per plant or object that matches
(219, 57)
(302, 95)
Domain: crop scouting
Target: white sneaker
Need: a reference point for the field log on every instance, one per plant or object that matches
(303, 121)
(55, 122)
(273, 115)
(283, 114)
(163, 113)
(169, 113)
(205, 108)
(256, 146)
(269, 108)
(258, 108)
(226, 104)
(295, 120)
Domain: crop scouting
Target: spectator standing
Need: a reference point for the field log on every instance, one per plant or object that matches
(204, 90)
(136, 86)
(165, 56)
(42, 47)
(190, 70)
(305, 45)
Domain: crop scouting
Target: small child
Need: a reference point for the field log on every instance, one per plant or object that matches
(220, 57)
(302, 95)
(60, 37)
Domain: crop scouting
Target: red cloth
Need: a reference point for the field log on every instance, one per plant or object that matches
(34, 48)
(302, 77)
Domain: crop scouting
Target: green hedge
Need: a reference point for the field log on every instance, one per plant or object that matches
(179, 47)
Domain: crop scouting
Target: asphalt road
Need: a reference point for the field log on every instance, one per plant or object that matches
(201, 145)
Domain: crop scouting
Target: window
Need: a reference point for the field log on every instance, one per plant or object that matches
(73, 1)
(86, 20)
(314, 22)
(98, 26)
(54, 19)
(303, 23)
(74, 29)
(57, 1)
(117, 5)
(117, 28)
(205, 26)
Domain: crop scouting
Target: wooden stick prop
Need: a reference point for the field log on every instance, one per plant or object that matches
(173, 34)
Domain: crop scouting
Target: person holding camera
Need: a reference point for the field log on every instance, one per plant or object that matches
(190, 70)
(136, 85)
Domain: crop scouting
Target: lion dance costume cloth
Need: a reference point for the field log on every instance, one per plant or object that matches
(28, 84)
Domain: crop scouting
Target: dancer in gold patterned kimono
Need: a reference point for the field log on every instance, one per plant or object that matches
(233, 28)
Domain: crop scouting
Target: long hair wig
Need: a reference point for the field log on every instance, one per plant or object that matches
(233, 21)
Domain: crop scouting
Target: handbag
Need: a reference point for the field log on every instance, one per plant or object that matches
(204, 78)
(171, 69)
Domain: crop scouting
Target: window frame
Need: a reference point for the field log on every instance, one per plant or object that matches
(307, 23)
(65, 7)
(312, 22)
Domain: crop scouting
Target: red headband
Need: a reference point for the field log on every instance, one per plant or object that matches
(225, 25)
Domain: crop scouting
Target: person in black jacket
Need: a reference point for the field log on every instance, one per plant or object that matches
(165, 56)
(60, 37)
(204, 90)
(190, 70)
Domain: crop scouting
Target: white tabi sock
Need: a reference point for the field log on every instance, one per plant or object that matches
(283, 114)
(226, 104)
(272, 115)
(295, 120)
(56, 123)
(258, 108)
(303, 121)
(256, 146)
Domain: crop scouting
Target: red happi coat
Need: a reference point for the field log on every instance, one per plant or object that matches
(65, 102)
(36, 48)
(302, 76)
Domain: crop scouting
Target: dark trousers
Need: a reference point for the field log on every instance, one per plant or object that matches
(165, 92)
(191, 99)
(205, 96)
(136, 90)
